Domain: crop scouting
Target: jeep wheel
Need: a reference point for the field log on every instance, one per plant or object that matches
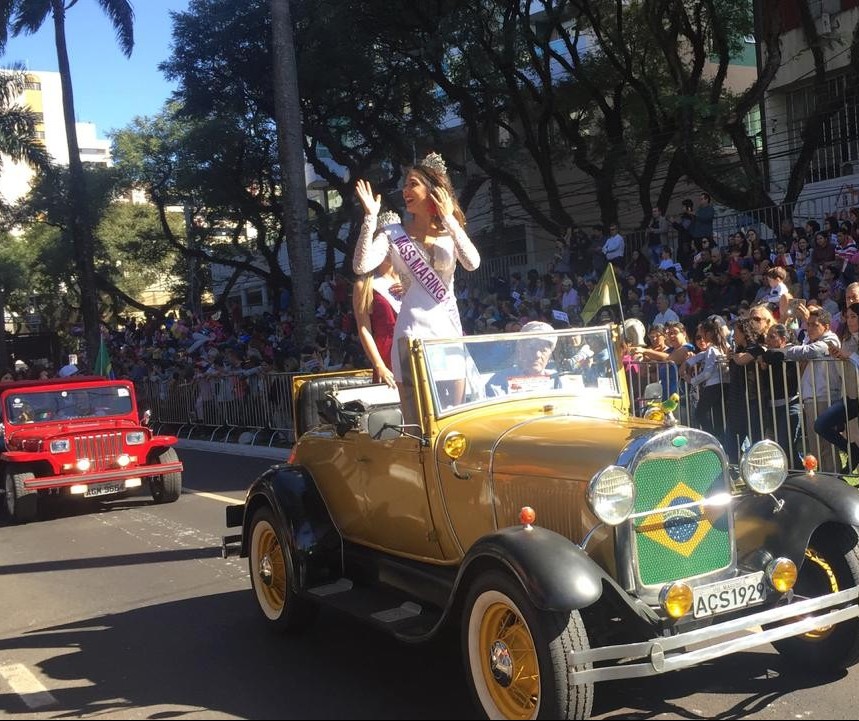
(167, 487)
(270, 570)
(518, 657)
(20, 503)
(831, 564)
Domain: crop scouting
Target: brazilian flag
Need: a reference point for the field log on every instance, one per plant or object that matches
(680, 539)
(103, 365)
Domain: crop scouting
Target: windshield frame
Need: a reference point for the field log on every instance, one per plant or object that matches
(431, 349)
(30, 403)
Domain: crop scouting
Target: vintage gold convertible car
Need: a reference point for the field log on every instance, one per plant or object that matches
(569, 541)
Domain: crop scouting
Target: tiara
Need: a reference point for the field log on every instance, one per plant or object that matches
(435, 162)
(388, 217)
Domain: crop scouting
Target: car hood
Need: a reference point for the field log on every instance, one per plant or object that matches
(553, 446)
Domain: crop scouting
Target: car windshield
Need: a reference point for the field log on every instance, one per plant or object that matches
(45, 406)
(479, 369)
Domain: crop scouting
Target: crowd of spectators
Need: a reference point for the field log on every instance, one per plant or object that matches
(677, 276)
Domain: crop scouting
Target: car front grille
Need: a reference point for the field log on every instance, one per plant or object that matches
(102, 449)
(680, 543)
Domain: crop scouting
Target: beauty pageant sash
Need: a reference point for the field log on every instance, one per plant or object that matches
(421, 271)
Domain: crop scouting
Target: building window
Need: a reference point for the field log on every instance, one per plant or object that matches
(39, 134)
(254, 298)
(840, 145)
(32, 85)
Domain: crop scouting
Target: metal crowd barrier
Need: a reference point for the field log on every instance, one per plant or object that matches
(765, 411)
(223, 407)
(227, 407)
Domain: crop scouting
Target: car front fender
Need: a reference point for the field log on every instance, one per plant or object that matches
(556, 573)
(784, 523)
(314, 544)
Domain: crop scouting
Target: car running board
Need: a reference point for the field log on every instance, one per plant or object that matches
(341, 585)
(385, 608)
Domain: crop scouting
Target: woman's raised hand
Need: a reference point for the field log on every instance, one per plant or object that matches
(372, 203)
(442, 200)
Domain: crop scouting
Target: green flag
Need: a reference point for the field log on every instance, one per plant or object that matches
(604, 293)
(102, 365)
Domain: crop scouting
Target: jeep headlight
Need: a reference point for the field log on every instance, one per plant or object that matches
(61, 446)
(611, 495)
(135, 438)
(764, 467)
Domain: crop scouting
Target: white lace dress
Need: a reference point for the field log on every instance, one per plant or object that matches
(421, 316)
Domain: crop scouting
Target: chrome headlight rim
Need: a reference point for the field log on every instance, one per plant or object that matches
(597, 492)
(751, 466)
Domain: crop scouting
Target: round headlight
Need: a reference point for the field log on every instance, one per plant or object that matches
(764, 467)
(611, 495)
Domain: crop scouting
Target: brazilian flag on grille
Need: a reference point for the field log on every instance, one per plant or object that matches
(683, 539)
(103, 365)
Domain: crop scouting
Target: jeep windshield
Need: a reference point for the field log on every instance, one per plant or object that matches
(45, 406)
(575, 362)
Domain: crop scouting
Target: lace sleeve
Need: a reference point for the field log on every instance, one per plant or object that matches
(465, 251)
(371, 248)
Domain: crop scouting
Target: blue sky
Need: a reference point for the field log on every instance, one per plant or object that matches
(110, 89)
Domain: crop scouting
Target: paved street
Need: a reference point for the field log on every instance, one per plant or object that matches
(126, 610)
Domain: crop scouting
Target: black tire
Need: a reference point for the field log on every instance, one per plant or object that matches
(534, 682)
(271, 572)
(831, 564)
(21, 504)
(168, 487)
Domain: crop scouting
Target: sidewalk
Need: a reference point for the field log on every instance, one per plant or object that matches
(237, 449)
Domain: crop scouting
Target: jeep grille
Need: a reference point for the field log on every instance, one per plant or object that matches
(682, 543)
(101, 449)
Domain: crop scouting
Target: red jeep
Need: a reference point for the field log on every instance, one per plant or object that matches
(79, 436)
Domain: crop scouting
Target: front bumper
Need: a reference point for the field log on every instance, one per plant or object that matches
(663, 654)
(41, 483)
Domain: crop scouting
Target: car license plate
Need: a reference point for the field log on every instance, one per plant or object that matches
(103, 489)
(729, 595)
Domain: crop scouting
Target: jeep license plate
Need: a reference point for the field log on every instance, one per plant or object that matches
(729, 595)
(103, 489)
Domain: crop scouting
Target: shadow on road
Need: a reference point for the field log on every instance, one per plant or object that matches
(758, 679)
(214, 653)
(129, 559)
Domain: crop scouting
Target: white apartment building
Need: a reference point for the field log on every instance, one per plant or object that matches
(832, 181)
(43, 95)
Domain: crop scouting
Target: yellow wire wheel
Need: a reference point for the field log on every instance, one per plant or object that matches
(825, 570)
(831, 564)
(519, 659)
(508, 659)
(271, 572)
(268, 570)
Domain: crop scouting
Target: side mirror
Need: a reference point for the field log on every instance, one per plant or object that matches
(653, 391)
(147, 414)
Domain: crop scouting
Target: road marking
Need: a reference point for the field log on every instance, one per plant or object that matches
(214, 496)
(26, 685)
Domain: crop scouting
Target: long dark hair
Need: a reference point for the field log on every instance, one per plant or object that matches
(435, 177)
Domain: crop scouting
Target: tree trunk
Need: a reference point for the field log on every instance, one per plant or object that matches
(79, 225)
(4, 351)
(290, 140)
